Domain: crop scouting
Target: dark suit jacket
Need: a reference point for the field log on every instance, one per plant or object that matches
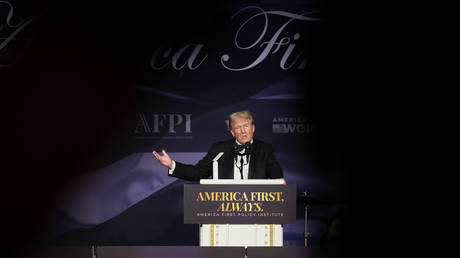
(262, 164)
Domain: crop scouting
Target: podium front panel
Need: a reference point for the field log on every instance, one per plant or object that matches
(259, 235)
(241, 235)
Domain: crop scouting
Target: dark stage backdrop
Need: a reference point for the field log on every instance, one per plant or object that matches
(92, 87)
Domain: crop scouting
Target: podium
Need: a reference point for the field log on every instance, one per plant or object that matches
(262, 235)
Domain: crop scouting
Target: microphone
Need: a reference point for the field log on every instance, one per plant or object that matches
(247, 148)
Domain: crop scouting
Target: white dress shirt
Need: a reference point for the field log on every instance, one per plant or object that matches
(236, 170)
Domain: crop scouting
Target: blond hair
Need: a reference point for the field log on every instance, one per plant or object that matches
(245, 115)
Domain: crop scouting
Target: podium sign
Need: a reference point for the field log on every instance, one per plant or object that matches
(239, 204)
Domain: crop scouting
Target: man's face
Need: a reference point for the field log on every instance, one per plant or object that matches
(242, 130)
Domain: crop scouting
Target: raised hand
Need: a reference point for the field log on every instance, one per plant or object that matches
(164, 160)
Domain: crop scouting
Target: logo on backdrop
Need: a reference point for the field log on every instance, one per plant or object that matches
(291, 125)
(193, 55)
(12, 47)
(275, 42)
(164, 126)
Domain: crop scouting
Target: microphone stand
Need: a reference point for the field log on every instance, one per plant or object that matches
(304, 198)
(241, 167)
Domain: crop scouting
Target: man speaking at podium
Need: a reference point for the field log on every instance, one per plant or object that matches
(242, 158)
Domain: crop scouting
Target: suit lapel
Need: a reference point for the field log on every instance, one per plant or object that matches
(226, 164)
(252, 161)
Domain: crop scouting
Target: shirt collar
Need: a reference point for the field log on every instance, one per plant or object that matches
(237, 142)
